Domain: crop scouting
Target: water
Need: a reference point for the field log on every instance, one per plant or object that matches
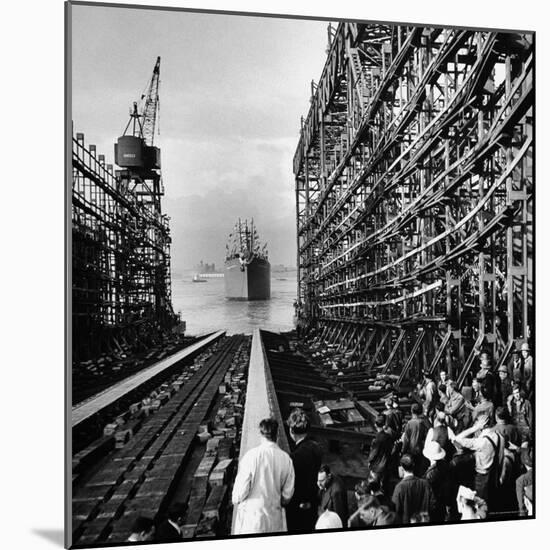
(205, 309)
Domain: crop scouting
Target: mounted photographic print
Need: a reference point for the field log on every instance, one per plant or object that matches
(300, 274)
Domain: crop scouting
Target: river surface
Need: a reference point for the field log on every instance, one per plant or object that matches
(204, 308)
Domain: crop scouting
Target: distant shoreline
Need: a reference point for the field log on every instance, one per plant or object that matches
(182, 273)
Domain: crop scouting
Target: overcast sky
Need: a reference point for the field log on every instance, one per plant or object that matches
(232, 91)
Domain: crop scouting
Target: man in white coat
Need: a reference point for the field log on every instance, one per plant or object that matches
(264, 484)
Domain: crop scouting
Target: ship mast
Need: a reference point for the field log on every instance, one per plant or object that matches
(252, 236)
(240, 237)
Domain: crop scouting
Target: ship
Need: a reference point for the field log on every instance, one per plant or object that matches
(247, 267)
(198, 279)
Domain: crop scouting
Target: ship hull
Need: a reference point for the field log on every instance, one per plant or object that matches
(252, 283)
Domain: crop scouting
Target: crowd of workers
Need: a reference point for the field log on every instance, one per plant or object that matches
(459, 456)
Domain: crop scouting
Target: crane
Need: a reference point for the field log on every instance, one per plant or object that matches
(151, 107)
(143, 124)
(134, 150)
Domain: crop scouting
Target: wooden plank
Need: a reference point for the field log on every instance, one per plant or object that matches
(88, 408)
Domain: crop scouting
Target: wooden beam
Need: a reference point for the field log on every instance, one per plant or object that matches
(440, 351)
(410, 359)
(378, 350)
(400, 337)
(470, 361)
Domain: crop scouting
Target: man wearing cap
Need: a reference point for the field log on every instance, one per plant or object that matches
(476, 393)
(486, 377)
(488, 446)
(461, 473)
(394, 417)
(456, 407)
(527, 369)
(521, 412)
(429, 394)
(438, 477)
(524, 479)
(516, 366)
(504, 386)
(414, 436)
(506, 429)
(485, 407)
(332, 493)
(373, 513)
(443, 386)
(380, 450)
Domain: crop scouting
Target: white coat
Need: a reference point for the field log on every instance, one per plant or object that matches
(264, 479)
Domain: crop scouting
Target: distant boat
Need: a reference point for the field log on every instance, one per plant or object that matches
(199, 279)
(247, 268)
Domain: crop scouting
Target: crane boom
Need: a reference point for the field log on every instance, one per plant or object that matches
(150, 109)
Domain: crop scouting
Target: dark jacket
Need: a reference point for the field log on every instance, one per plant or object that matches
(380, 451)
(504, 390)
(306, 458)
(414, 436)
(301, 511)
(412, 495)
(334, 498)
(439, 480)
(487, 378)
(441, 435)
(456, 407)
(165, 532)
(462, 471)
(394, 421)
(510, 432)
(521, 412)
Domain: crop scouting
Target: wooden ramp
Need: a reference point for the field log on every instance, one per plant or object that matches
(100, 401)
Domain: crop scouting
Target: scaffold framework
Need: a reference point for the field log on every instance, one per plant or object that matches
(121, 290)
(414, 197)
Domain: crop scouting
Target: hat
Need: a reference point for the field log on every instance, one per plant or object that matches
(329, 520)
(527, 457)
(433, 451)
(503, 368)
(525, 347)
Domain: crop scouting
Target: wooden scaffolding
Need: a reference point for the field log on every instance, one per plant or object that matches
(414, 196)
